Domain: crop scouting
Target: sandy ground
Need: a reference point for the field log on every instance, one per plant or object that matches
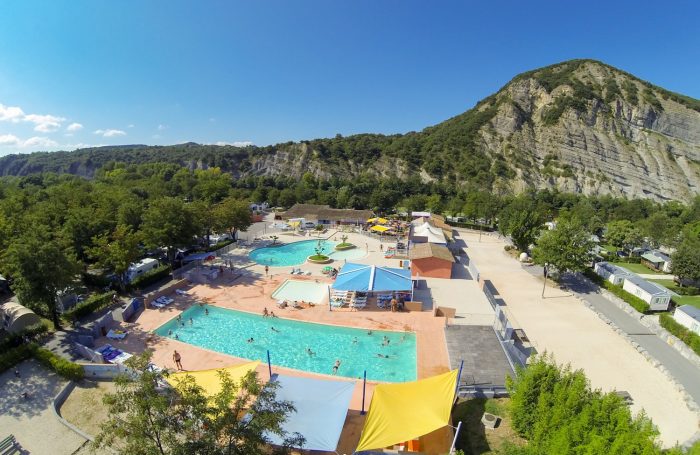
(32, 420)
(562, 325)
(84, 408)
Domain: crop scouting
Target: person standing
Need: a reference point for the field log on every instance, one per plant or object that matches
(177, 359)
(267, 269)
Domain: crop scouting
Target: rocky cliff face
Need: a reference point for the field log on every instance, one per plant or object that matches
(598, 130)
(578, 126)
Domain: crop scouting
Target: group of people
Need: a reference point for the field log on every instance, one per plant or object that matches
(268, 314)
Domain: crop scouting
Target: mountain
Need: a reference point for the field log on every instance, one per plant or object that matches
(578, 126)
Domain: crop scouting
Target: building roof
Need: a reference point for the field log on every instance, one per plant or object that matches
(15, 310)
(433, 234)
(648, 286)
(325, 212)
(691, 311)
(420, 214)
(613, 269)
(430, 250)
(656, 257)
(362, 277)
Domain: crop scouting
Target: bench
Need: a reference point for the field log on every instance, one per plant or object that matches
(9, 445)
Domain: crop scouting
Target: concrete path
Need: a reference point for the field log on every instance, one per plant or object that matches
(656, 276)
(563, 326)
(32, 420)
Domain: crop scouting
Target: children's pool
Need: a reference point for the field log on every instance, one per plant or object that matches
(227, 331)
(308, 291)
(296, 253)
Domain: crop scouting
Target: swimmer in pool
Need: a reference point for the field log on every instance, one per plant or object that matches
(336, 366)
(382, 356)
(310, 352)
(250, 340)
(369, 332)
(354, 340)
(274, 330)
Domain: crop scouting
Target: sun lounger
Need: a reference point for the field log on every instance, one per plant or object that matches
(116, 334)
(157, 304)
(337, 303)
(180, 292)
(9, 445)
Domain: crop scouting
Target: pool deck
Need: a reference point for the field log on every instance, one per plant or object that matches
(252, 292)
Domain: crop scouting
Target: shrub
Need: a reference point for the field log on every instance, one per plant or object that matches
(685, 335)
(63, 367)
(13, 356)
(219, 245)
(89, 306)
(150, 277)
(509, 247)
(14, 340)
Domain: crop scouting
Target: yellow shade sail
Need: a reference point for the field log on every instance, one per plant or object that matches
(371, 220)
(405, 411)
(209, 379)
(379, 228)
(294, 223)
(382, 220)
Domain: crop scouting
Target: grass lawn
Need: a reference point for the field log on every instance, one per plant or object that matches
(609, 248)
(84, 408)
(638, 268)
(681, 299)
(473, 437)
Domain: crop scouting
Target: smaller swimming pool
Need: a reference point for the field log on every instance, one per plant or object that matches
(308, 291)
(295, 253)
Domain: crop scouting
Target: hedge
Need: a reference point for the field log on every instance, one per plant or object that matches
(150, 277)
(89, 306)
(219, 245)
(475, 226)
(65, 368)
(636, 303)
(685, 335)
(14, 340)
(13, 356)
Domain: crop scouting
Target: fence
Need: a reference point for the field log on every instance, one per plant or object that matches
(473, 271)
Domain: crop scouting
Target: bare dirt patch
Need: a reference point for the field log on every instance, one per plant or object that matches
(473, 438)
(84, 408)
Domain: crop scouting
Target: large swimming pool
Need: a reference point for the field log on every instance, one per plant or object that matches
(296, 253)
(227, 331)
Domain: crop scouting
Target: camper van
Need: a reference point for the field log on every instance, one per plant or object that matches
(139, 268)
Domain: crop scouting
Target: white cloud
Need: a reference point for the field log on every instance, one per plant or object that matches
(9, 139)
(235, 143)
(110, 133)
(74, 127)
(44, 123)
(11, 113)
(37, 141)
(162, 127)
(130, 125)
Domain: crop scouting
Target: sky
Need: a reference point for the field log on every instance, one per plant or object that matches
(86, 73)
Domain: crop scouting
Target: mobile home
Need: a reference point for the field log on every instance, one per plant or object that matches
(688, 316)
(657, 296)
(139, 268)
(610, 272)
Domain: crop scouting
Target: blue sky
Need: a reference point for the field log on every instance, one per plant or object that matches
(84, 73)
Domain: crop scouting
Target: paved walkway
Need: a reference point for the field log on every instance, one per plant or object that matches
(32, 420)
(561, 325)
(485, 363)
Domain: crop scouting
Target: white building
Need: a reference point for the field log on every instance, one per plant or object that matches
(657, 296)
(688, 316)
(141, 267)
(657, 261)
(612, 273)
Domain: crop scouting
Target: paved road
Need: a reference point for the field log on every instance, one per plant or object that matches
(678, 366)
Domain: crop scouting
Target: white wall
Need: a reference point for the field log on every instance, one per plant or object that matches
(686, 321)
(637, 292)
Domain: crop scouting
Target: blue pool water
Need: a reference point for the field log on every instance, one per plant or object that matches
(227, 331)
(296, 253)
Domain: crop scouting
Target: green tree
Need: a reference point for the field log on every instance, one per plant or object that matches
(567, 247)
(232, 215)
(685, 261)
(623, 234)
(145, 419)
(168, 222)
(116, 251)
(41, 268)
(522, 220)
(556, 410)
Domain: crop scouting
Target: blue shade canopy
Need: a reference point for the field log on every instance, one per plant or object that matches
(321, 407)
(361, 277)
